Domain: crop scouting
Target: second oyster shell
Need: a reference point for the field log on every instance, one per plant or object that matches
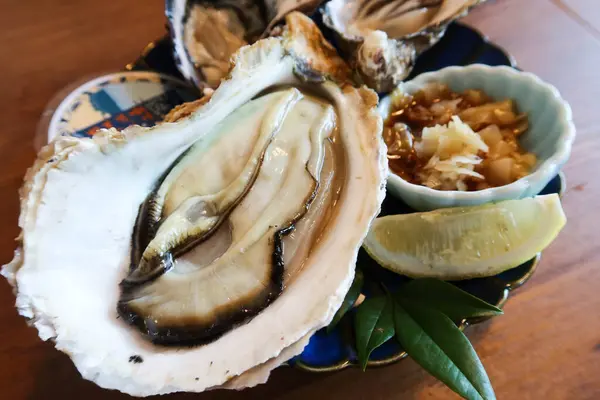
(383, 38)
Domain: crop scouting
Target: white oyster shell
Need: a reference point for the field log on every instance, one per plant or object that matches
(80, 199)
(383, 38)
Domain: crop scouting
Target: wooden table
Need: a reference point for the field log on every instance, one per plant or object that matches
(546, 346)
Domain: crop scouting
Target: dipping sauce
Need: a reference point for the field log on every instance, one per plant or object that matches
(456, 141)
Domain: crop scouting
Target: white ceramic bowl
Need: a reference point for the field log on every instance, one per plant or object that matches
(550, 135)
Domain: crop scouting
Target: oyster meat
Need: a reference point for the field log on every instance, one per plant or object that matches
(207, 33)
(383, 38)
(219, 237)
(205, 251)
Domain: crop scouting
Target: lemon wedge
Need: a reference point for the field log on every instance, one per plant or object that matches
(466, 242)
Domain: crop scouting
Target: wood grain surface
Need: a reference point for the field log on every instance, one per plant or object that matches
(546, 346)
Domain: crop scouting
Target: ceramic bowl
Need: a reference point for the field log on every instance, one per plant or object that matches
(550, 135)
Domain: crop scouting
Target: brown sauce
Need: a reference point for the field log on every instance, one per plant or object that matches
(497, 122)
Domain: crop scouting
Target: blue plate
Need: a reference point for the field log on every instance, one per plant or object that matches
(325, 352)
(335, 351)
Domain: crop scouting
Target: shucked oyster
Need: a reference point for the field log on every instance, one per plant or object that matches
(383, 38)
(206, 33)
(234, 229)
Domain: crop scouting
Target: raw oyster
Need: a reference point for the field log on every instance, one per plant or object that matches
(124, 220)
(382, 38)
(206, 33)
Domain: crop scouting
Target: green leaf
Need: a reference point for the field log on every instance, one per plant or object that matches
(373, 326)
(349, 300)
(447, 298)
(434, 342)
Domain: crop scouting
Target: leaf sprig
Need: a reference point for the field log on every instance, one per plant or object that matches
(349, 300)
(422, 315)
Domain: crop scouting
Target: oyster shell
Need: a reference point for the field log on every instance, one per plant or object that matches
(207, 33)
(284, 150)
(383, 38)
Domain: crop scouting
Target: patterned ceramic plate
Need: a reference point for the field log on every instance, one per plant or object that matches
(111, 100)
(461, 45)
